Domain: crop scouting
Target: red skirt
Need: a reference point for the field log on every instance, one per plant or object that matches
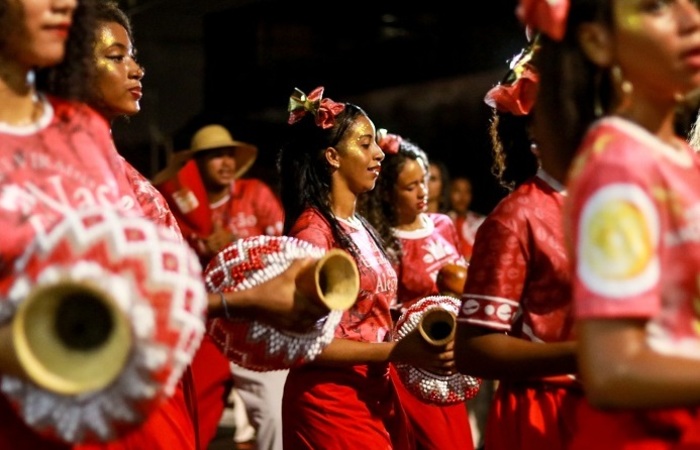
(532, 416)
(343, 408)
(668, 429)
(435, 427)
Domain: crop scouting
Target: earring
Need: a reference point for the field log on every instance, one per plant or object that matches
(626, 87)
(598, 109)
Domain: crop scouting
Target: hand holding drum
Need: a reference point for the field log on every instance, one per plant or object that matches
(331, 282)
(434, 317)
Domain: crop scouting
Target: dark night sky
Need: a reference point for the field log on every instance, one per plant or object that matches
(419, 71)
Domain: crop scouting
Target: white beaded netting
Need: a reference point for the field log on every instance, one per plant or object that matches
(428, 386)
(254, 344)
(153, 278)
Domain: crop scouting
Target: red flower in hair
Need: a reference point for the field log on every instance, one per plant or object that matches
(324, 110)
(516, 98)
(547, 16)
(388, 142)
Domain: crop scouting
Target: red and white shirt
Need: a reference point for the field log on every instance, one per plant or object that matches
(425, 252)
(64, 163)
(634, 221)
(338, 407)
(519, 276)
(369, 319)
(251, 209)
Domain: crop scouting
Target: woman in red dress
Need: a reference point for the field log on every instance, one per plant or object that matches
(420, 244)
(62, 150)
(189, 419)
(345, 398)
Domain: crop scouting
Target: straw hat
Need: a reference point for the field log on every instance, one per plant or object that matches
(210, 137)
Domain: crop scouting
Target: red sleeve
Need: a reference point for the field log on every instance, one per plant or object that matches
(496, 277)
(313, 228)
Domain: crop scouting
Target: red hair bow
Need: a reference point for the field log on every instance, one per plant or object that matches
(324, 110)
(517, 92)
(516, 98)
(547, 16)
(388, 142)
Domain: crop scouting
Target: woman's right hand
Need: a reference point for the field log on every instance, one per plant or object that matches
(278, 302)
(414, 350)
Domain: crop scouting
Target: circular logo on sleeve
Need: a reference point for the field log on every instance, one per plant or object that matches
(617, 241)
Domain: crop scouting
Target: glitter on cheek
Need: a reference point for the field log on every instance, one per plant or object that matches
(105, 39)
(363, 128)
(105, 65)
(628, 16)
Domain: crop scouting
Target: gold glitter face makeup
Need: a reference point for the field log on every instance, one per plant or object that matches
(360, 156)
(359, 137)
(118, 75)
(628, 15)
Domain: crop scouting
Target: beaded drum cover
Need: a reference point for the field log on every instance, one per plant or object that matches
(250, 343)
(428, 386)
(152, 282)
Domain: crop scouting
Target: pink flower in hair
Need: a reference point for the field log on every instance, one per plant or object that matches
(324, 110)
(547, 16)
(388, 142)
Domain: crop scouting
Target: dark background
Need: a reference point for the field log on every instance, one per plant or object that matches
(418, 71)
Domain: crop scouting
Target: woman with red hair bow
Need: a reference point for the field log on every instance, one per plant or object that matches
(345, 398)
(515, 321)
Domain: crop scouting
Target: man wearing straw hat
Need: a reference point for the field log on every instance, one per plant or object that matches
(215, 206)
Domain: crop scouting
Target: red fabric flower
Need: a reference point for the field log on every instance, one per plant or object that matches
(516, 98)
(547, 16)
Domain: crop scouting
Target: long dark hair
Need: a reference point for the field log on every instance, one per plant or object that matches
(109, 11)
(304, 173)
(574, 90)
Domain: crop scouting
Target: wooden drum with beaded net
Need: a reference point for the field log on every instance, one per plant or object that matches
(333, 280)
(435, 319)
(98, 322)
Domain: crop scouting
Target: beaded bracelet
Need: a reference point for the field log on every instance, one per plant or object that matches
(223, 302)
